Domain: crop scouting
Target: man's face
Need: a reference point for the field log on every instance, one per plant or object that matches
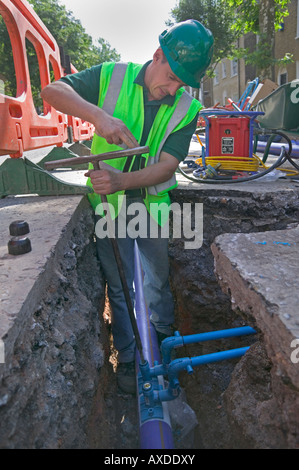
(159, 78)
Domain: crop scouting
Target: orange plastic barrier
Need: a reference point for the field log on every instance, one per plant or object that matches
(81, 130)
(21, 127)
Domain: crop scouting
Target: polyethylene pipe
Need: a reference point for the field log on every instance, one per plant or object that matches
(275, 148)
(155, 433)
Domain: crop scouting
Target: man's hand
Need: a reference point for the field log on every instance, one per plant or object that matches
(114, 131)
(105, 181)
(64, 98)
(109, 181)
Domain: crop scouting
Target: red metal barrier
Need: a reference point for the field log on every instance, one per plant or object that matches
(21, 127)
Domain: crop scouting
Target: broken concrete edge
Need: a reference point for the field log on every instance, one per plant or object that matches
(48, 273)
(263, 307)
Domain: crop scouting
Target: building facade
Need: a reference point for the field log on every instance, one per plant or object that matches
(231, 77)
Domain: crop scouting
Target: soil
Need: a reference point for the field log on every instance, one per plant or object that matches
(123, 408)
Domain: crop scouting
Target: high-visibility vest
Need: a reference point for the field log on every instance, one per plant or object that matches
(121, 98)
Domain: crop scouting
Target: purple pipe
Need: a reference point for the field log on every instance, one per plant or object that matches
(275, 148)
(155, 433)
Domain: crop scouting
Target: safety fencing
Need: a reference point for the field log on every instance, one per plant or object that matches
(22, 128)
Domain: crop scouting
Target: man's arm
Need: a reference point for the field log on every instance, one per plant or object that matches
(65, 99)
(108, 182)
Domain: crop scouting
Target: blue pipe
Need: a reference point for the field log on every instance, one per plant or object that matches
(188, 363)
(177, 340)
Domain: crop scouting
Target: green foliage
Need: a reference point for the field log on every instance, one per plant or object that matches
(68, 33)
(262, 17)
(231, 19)
(7, 73)
(247, 17)
(215, 15)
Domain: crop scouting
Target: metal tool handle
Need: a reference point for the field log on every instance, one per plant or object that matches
(121, 272)
(95, 158)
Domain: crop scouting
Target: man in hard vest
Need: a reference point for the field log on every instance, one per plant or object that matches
(132, 105)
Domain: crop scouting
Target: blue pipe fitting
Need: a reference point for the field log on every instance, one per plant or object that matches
(171, 392)
(177, 340)
(152, 395)
(169, 344)
(187, 363)
(148, 394)
(176, 366)
(145, 370)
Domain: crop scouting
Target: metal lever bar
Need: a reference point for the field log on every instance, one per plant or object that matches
(121, 270)
(95, 158)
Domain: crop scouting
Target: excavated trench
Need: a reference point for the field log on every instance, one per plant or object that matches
(201, 306)
(58, 387)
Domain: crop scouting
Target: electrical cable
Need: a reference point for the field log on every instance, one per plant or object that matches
(250, 164)
(281, 159)
(288, 154)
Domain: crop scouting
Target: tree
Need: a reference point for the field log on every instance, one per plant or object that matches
(7, 73)
(68, 33)
(263, 18)
(231, 19)
(215, 15)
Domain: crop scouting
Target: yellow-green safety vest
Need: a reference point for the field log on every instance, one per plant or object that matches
(121, 98)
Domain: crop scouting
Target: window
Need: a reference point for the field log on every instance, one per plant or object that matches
(282, 77)
(234, 68)
(297, 69)
(223, 70)
(216, 78)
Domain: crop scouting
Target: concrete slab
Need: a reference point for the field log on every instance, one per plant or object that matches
(260, 271)
(47, 218)
(51, 301)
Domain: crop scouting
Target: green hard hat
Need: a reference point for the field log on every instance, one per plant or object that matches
(188, 47)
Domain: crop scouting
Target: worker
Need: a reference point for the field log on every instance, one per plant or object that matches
(132, 105)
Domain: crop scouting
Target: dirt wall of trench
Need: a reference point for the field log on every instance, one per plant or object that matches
(237, 402)
(58, 388)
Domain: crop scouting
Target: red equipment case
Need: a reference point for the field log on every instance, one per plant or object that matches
(229, 136)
